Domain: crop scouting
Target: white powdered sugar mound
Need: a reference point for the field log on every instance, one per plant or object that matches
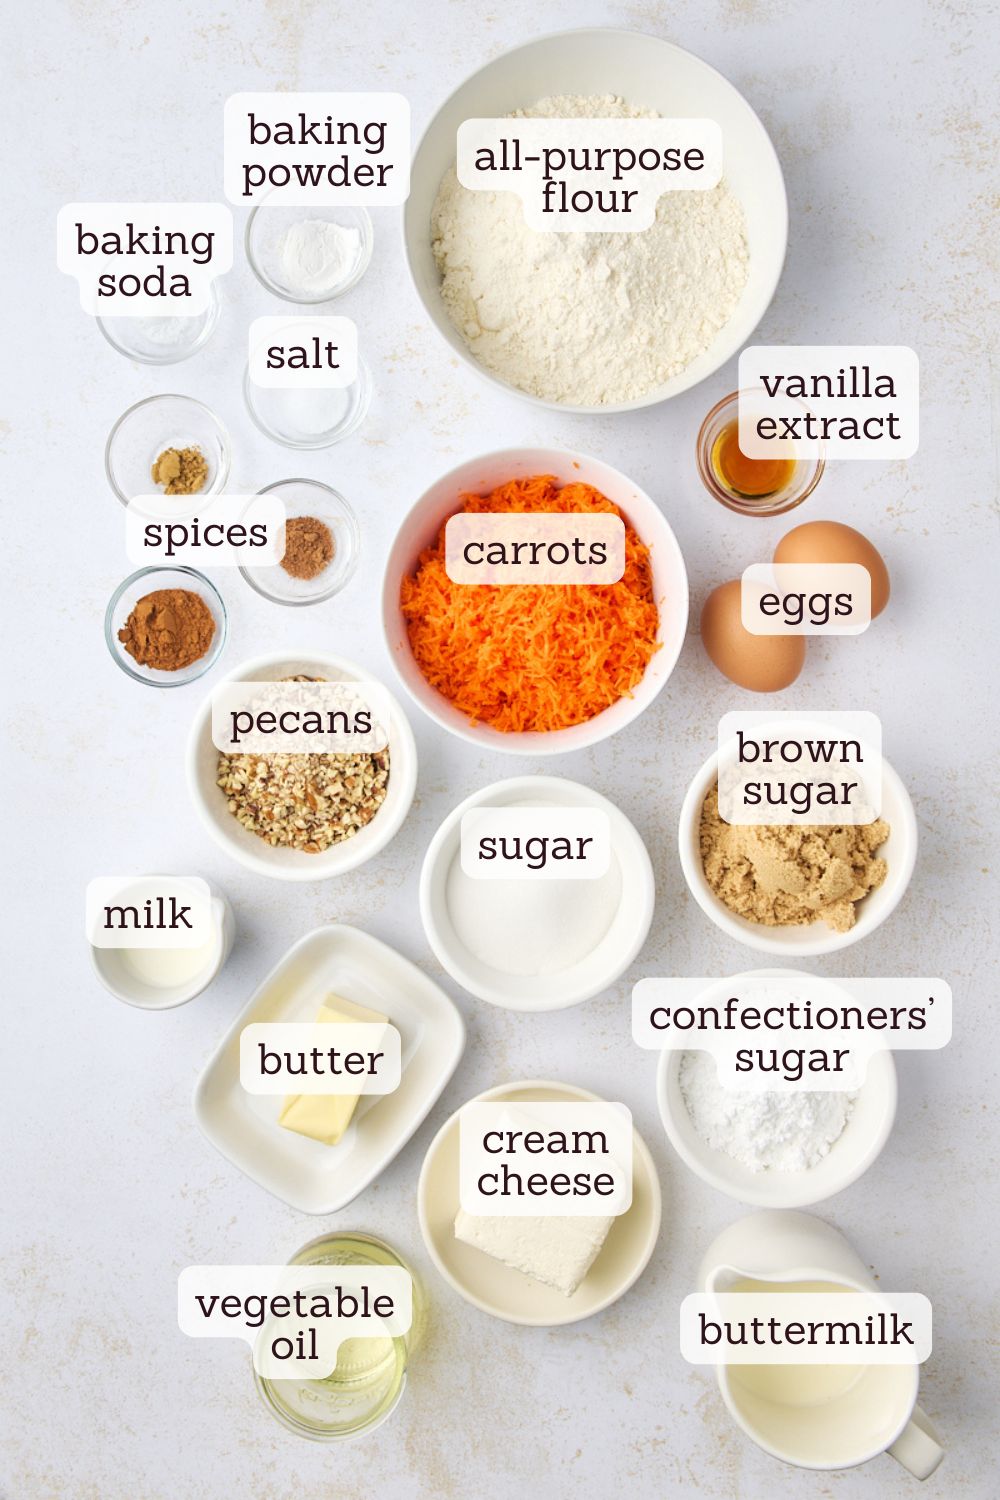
(762, 1129)
(588, 319)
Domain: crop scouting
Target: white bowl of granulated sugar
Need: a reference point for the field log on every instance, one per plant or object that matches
(598, 322)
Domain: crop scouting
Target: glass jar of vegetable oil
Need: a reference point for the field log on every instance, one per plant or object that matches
(370, 1374)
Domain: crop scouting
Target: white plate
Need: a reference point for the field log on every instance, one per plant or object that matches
(494, 1287)
(593, 974)
(309, 1176)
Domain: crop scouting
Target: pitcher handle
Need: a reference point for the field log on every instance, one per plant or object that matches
(918, 1447)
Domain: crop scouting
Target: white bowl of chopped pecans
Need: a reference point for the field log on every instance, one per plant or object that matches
(302, 817)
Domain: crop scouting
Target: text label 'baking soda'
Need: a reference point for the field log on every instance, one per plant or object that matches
(303, 150)
(294, 1317)
(149, 911)
(554, 1160)
(540, 547)
(806, 598)
(300, 718)
(790, 768)
(589, 175)
(835, 1327)
(309, 351)
(841, 401)
(309, 1057)
(790, 1032)
(145, 259)
(536, 843)
(213, 531)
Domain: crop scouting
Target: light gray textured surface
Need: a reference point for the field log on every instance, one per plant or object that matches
(881, 117)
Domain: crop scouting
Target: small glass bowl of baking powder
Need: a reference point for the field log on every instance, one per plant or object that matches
(309, 499)
(308, 255)
(162, 341)
(144, 432)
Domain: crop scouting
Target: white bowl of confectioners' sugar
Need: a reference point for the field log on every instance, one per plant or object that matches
(529, 943)
(770, 1148)
(254, 809)
(598, 322)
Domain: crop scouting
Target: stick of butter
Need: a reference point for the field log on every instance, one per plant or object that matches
(325, 1117)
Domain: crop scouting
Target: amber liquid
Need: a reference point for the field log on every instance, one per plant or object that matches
(755, 478)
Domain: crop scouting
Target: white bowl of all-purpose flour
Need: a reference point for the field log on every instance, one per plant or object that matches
(592, 327)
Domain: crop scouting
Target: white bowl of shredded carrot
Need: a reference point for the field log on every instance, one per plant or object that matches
(534, 669)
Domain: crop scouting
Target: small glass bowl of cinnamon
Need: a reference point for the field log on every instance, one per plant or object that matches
(322, 544)
(166, 626)
(750, 486)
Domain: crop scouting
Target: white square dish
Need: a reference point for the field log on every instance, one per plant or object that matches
(304, 1173)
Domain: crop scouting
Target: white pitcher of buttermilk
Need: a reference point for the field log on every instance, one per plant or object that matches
(816, 1416)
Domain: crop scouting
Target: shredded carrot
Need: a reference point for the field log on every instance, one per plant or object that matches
(526, 656)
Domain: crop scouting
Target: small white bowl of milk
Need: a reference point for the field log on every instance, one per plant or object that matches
(161, 978)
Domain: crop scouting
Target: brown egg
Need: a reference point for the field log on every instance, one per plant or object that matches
(762, 663)
(833, 542)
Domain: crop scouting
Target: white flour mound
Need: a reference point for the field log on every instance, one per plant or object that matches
(588, 319)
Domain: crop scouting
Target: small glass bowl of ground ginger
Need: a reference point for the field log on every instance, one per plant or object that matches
(167, 445)
(739, 888)
(322, 542)
(166, 626)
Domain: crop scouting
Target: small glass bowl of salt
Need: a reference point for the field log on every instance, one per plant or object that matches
(162, 340)
(308, 255)
(310, 416)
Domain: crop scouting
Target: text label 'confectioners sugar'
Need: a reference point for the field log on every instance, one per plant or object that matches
(589, 175)
(789, 1031)
(302, 149)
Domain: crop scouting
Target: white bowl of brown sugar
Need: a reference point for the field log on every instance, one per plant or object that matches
(743, 888)
(302, 817)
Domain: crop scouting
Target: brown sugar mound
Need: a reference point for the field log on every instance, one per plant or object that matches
(791, 874)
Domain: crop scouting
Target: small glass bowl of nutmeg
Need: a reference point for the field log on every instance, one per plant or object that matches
(166, 626)
(322, 543)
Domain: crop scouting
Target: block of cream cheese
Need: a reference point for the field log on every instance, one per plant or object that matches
(325, 1117)
(557, 1251)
